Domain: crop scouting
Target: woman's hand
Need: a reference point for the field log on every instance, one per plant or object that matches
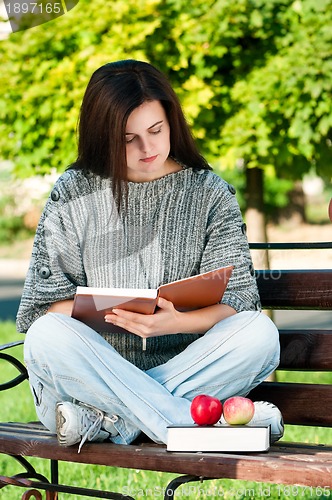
(164, 321)
(167, 320)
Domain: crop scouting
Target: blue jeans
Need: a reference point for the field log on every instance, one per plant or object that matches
(67, 361)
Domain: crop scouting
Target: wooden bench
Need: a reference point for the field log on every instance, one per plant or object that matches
(285, 463)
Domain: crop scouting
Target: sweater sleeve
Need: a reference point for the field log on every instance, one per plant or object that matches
(226, 244)
(56, 266)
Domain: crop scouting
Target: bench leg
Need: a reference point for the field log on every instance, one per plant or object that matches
(179, 481)
(38, 496)
(28, 494)
(52, 488)
(24, 479)
(54, 471)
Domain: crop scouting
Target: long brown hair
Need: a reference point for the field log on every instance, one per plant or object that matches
(113, 92)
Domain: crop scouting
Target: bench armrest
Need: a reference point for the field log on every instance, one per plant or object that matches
(11, 344)
(23, 374)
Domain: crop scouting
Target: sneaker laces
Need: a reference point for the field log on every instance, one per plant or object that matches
(91, 420)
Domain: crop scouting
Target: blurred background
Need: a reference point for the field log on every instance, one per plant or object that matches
(255, 81)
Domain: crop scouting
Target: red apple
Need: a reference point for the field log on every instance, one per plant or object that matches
(205, 410)
(238, 410)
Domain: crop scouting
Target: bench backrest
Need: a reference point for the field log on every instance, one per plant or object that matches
(301, 349)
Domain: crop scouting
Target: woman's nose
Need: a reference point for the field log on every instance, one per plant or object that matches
(146, 145)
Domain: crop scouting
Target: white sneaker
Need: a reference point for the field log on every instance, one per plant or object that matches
(268, 414)
(81, 422)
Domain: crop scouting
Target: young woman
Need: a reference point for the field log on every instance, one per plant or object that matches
(140, 207)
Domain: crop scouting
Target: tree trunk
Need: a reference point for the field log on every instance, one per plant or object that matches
(294, 213)
(256, 224)
(255, 216)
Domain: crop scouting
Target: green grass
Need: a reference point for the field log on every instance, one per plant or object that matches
(16, 404)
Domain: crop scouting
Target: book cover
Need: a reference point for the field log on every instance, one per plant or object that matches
(218, 438)
(91, 304)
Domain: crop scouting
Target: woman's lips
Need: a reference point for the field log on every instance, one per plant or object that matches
(149, 159)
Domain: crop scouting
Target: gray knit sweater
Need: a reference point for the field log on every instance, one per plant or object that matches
(176, 226)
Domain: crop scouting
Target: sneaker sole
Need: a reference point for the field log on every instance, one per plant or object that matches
(60, 420)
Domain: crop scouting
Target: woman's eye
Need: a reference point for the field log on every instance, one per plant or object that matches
(153, 132)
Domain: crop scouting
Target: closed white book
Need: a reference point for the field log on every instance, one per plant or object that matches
(218, 438)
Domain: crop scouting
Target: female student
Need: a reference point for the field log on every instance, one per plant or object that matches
(139, 207)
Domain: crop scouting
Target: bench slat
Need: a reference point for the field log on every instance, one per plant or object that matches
(289, 289)
(306, 350)
(300, 404)
(283, 463)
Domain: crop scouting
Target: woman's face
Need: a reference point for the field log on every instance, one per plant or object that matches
(148, 143)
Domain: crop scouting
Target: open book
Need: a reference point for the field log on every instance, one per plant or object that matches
(91, 304)
(218, 438)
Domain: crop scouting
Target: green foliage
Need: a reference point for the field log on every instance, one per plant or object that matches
(284, 104)
(12, 228)
(11, 223)
(21, 201)
(254, 77)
